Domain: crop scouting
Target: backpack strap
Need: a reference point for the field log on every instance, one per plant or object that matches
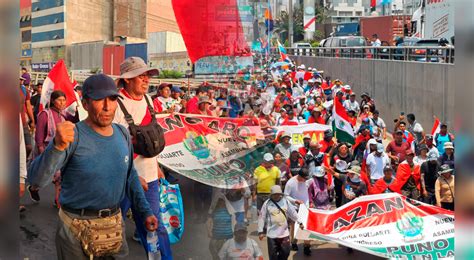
(128, 117)
(126, 134)
(279, 208)
(150, 108)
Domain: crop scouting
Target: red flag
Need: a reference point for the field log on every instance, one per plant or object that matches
(57, 79)
(436, 127)
(210, 28)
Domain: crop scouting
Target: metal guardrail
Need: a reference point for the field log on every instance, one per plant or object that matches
(406, 53)
(80, 77)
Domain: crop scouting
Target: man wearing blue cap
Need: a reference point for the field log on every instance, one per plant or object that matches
(95, 158)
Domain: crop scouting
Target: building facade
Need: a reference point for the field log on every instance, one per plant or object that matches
(59, 27)
(346, 11)
(25, 32)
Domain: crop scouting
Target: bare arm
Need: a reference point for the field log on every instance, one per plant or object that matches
(438, 193)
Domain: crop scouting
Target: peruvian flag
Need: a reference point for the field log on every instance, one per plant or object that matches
(436, 127)
(58, 79)
(211, 28)
(342, 125)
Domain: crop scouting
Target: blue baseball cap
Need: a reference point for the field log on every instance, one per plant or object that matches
(99, 86)
(176, 89)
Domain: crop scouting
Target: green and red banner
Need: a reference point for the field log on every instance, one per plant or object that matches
(387, 225)
(221, 152)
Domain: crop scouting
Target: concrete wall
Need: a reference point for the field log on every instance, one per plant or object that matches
(130, 18)
(160, 16)
(86, 56)
(165, 42)
(88, 20)
(425, 89)
(170, 61)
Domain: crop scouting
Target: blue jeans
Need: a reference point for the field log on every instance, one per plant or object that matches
(153, 198)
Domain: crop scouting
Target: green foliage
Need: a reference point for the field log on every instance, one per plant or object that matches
(282, 24)
(314, 43)
(94, 70)
(170, 74)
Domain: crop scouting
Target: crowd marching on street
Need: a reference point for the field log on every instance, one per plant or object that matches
(106, 165)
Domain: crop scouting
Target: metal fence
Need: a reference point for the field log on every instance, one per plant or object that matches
(411, 53)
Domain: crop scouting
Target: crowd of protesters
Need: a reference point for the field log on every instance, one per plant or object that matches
(323, 174)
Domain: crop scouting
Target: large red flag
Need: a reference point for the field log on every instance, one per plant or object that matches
(58, 79)
(210, 28)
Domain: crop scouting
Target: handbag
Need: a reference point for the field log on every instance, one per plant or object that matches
(148, 140)
(171, 209)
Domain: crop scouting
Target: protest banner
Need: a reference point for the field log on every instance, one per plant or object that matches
(316, 131)
(221, 152)
(387, 225)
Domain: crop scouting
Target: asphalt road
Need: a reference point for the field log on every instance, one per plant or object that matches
(39, 221)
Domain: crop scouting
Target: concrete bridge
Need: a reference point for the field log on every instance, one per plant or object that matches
(423, 88)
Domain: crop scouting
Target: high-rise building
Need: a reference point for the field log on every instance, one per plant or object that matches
(345, 11)
(25, 32)
(58, 24)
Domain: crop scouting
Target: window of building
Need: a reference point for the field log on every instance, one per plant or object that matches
(26, 36)
(358, 13)
(345, 13)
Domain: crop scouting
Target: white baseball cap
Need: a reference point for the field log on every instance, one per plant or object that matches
(380, 148)
(372, 141)
(268, 157)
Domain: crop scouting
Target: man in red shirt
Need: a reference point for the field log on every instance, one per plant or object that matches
(306, 141)
(203, 106)
(291, 119)
(397, 149)
(327, 144)
(192, 105)
(316, 116)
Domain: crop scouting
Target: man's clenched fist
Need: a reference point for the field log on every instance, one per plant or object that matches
(64, 135)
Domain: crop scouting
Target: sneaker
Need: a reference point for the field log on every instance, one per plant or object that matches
(294, 247)
(307, 250)
(34, 194)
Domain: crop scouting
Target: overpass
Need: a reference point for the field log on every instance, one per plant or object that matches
(423, 88)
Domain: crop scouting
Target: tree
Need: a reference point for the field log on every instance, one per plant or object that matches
(282, 24)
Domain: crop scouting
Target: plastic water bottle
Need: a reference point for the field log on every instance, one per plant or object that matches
(152, 241)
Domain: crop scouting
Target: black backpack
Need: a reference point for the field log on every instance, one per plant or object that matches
(148, 140)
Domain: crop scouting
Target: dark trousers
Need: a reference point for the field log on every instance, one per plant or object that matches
(338, 191)
(430, 199)
(261, 198)
(448, 205)
(202, 199)
(278, 248)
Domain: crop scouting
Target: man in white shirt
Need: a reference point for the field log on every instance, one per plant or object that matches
(134, 80)
(296, 191)
(352, 104)
(376, 162)
(275, 213)
(376, 41)
(240, 247)
(379, 128)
